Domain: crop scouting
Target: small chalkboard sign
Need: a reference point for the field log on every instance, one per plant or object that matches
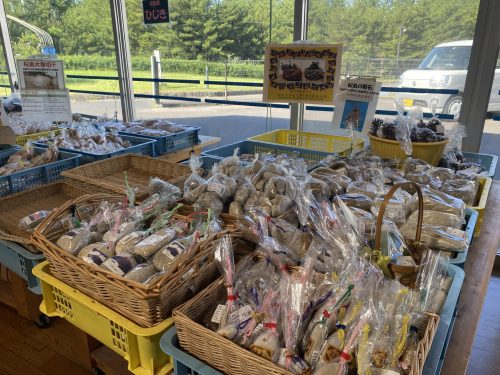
(155, 11)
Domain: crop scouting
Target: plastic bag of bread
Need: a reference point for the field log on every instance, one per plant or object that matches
(361, 201)
(195, 185)
(463, 189)
(392, 176)
(394, 211)
(126, 244)
(167, 192)
(336, 182)
(441, 174)
(120, 264)
(437, 218)
(319, 188)
(151, 244)
(376, 177)
(412, 165)
(164, 258)
(362, 187)
(231, 165)
(141, 273)
(75, 239)
(438, 237)
(30, 222)
(435, 200)
(290, 236)
(366, 220)
(96, 253)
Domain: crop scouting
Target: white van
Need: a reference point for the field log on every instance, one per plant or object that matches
(445, 67)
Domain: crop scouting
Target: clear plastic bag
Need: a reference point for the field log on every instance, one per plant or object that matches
(439, 237)
(437, 201)
(436, 218)
(30, 222)
(403, 130)
(75, 239)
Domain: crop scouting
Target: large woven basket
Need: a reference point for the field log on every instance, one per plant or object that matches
(232, 359)
(109, 173)
(144, 305)
(17, 206)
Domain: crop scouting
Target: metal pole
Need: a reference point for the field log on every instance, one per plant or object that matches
(123, 60)
(300, 17)
(401, 31)
(480, 74)
(156, 73)
(270, 21)
(7, 49)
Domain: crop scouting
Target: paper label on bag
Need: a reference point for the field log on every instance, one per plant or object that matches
(114, 267)
(154, 239)
(216, 188)
(220, 311)
(241, 315)
(172, 250)
(282, 357)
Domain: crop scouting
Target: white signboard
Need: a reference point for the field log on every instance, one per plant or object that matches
(43, 93)
(356, 103)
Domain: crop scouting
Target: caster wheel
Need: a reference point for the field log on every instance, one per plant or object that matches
(43, 321)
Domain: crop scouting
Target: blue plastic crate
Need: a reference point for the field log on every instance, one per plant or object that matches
(140, 145)
(458, 259)
(36, 176)
(434, 360)
(20, 261)
(208, 161)
(488, 162)
(184, 363)
(172, 142)
(313, 157)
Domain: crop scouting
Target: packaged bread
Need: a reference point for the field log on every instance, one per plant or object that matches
(75, 239)
(115, 234)
(437, 218)
(438, 237)
(120, 264)
(435, 200)
(127, 243)
(150, 245)
(168, 254)
(94, 256)
(361, 201)
(412, 165)
(102, 247)
(142, 272)
(30, 222)
(461, 188)
(394, 211)
(362, 187)
(290, 236)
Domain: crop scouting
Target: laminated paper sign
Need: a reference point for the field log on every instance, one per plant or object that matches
(43, 93)
(302, 73)
(356, 103)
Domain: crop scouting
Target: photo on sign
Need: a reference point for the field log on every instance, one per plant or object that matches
(354, 112)
(302, 70)
(37, 80)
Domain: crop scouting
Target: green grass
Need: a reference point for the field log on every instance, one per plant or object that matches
(146, 87)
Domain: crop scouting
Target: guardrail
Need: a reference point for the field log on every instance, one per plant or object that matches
(250, 103)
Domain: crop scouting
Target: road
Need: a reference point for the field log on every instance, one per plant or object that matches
(234, 123)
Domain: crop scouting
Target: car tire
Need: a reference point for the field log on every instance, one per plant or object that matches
(453, 106)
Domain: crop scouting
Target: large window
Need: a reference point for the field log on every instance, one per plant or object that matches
(423, 44)
(82, 35)
(210, 64)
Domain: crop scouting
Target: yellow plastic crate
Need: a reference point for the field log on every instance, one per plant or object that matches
(484, 191)
(311, 141)
(22, 139)
(139, 346)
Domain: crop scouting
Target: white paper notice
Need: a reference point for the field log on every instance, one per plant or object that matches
(42, 105)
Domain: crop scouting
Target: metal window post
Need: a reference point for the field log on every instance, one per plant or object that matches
(480, 73)
(123, 60)
(300, 17)
(7, 48)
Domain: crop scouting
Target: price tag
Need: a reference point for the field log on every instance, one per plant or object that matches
(220, 311)
(241, 314)
(315, 357)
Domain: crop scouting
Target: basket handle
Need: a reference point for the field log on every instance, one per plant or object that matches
(13, 238)
(387, 198)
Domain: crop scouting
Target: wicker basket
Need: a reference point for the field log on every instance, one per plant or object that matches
(147, 306)
(109, 173)
(406, 275)
(431, 152)
(17, 206)
(230, 358)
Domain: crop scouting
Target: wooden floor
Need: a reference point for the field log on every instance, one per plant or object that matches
(485, 355)
(28, 350)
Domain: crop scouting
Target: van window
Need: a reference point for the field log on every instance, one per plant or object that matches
(447, 58)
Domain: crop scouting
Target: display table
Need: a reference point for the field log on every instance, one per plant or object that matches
(184, 154)
(478, 268)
